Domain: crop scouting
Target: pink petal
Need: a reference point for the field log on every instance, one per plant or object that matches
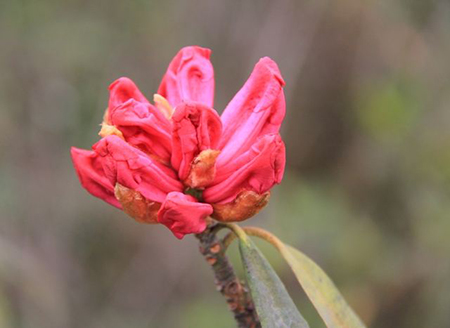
(190, 77)
(144, 127)
(182, 214)
(90, 172)
(133, 169)
(122, 90)
(257, 109)
(257, 170)
(196, 127)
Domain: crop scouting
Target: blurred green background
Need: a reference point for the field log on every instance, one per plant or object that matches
(366, 192)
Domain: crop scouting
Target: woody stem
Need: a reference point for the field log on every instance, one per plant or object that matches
(236, 294)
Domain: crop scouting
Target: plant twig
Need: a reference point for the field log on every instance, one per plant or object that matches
(235, 293)
(253, 231)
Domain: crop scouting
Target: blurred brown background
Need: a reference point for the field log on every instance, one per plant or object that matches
(366, 192)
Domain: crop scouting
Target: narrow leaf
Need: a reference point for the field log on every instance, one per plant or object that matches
(273, 304)
(322, 292)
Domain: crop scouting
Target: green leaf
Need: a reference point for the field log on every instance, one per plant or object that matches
(273, 304)
(322, 292)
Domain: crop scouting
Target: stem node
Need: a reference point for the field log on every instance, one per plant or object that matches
(236, 294)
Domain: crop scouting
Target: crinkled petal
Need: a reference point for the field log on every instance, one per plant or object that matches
(257, 170)
(182, 214)
(122, 90)
(190, 77)
(89, 168)
(257, 109)
(196, 127)
(132, 168)
(145, 127)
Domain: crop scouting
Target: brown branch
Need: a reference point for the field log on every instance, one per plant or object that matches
(235, 293)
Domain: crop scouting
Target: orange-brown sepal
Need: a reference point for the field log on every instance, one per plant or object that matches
(203, 169)
(247, 204)
(136, 206)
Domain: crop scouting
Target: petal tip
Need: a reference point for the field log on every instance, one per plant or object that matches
(121, 81)
(273, 68)
(190, 50)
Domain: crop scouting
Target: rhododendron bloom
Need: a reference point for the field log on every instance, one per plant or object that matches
(176, 161)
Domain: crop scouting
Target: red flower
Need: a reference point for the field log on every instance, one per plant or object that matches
(176, 161)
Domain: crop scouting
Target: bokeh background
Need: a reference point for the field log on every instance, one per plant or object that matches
(366, 192)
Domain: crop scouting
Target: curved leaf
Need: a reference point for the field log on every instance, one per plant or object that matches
(322, 292)
(273, 304)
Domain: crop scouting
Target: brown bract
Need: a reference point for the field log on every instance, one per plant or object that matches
(246, 205)
(203, 169)
(136, 206)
